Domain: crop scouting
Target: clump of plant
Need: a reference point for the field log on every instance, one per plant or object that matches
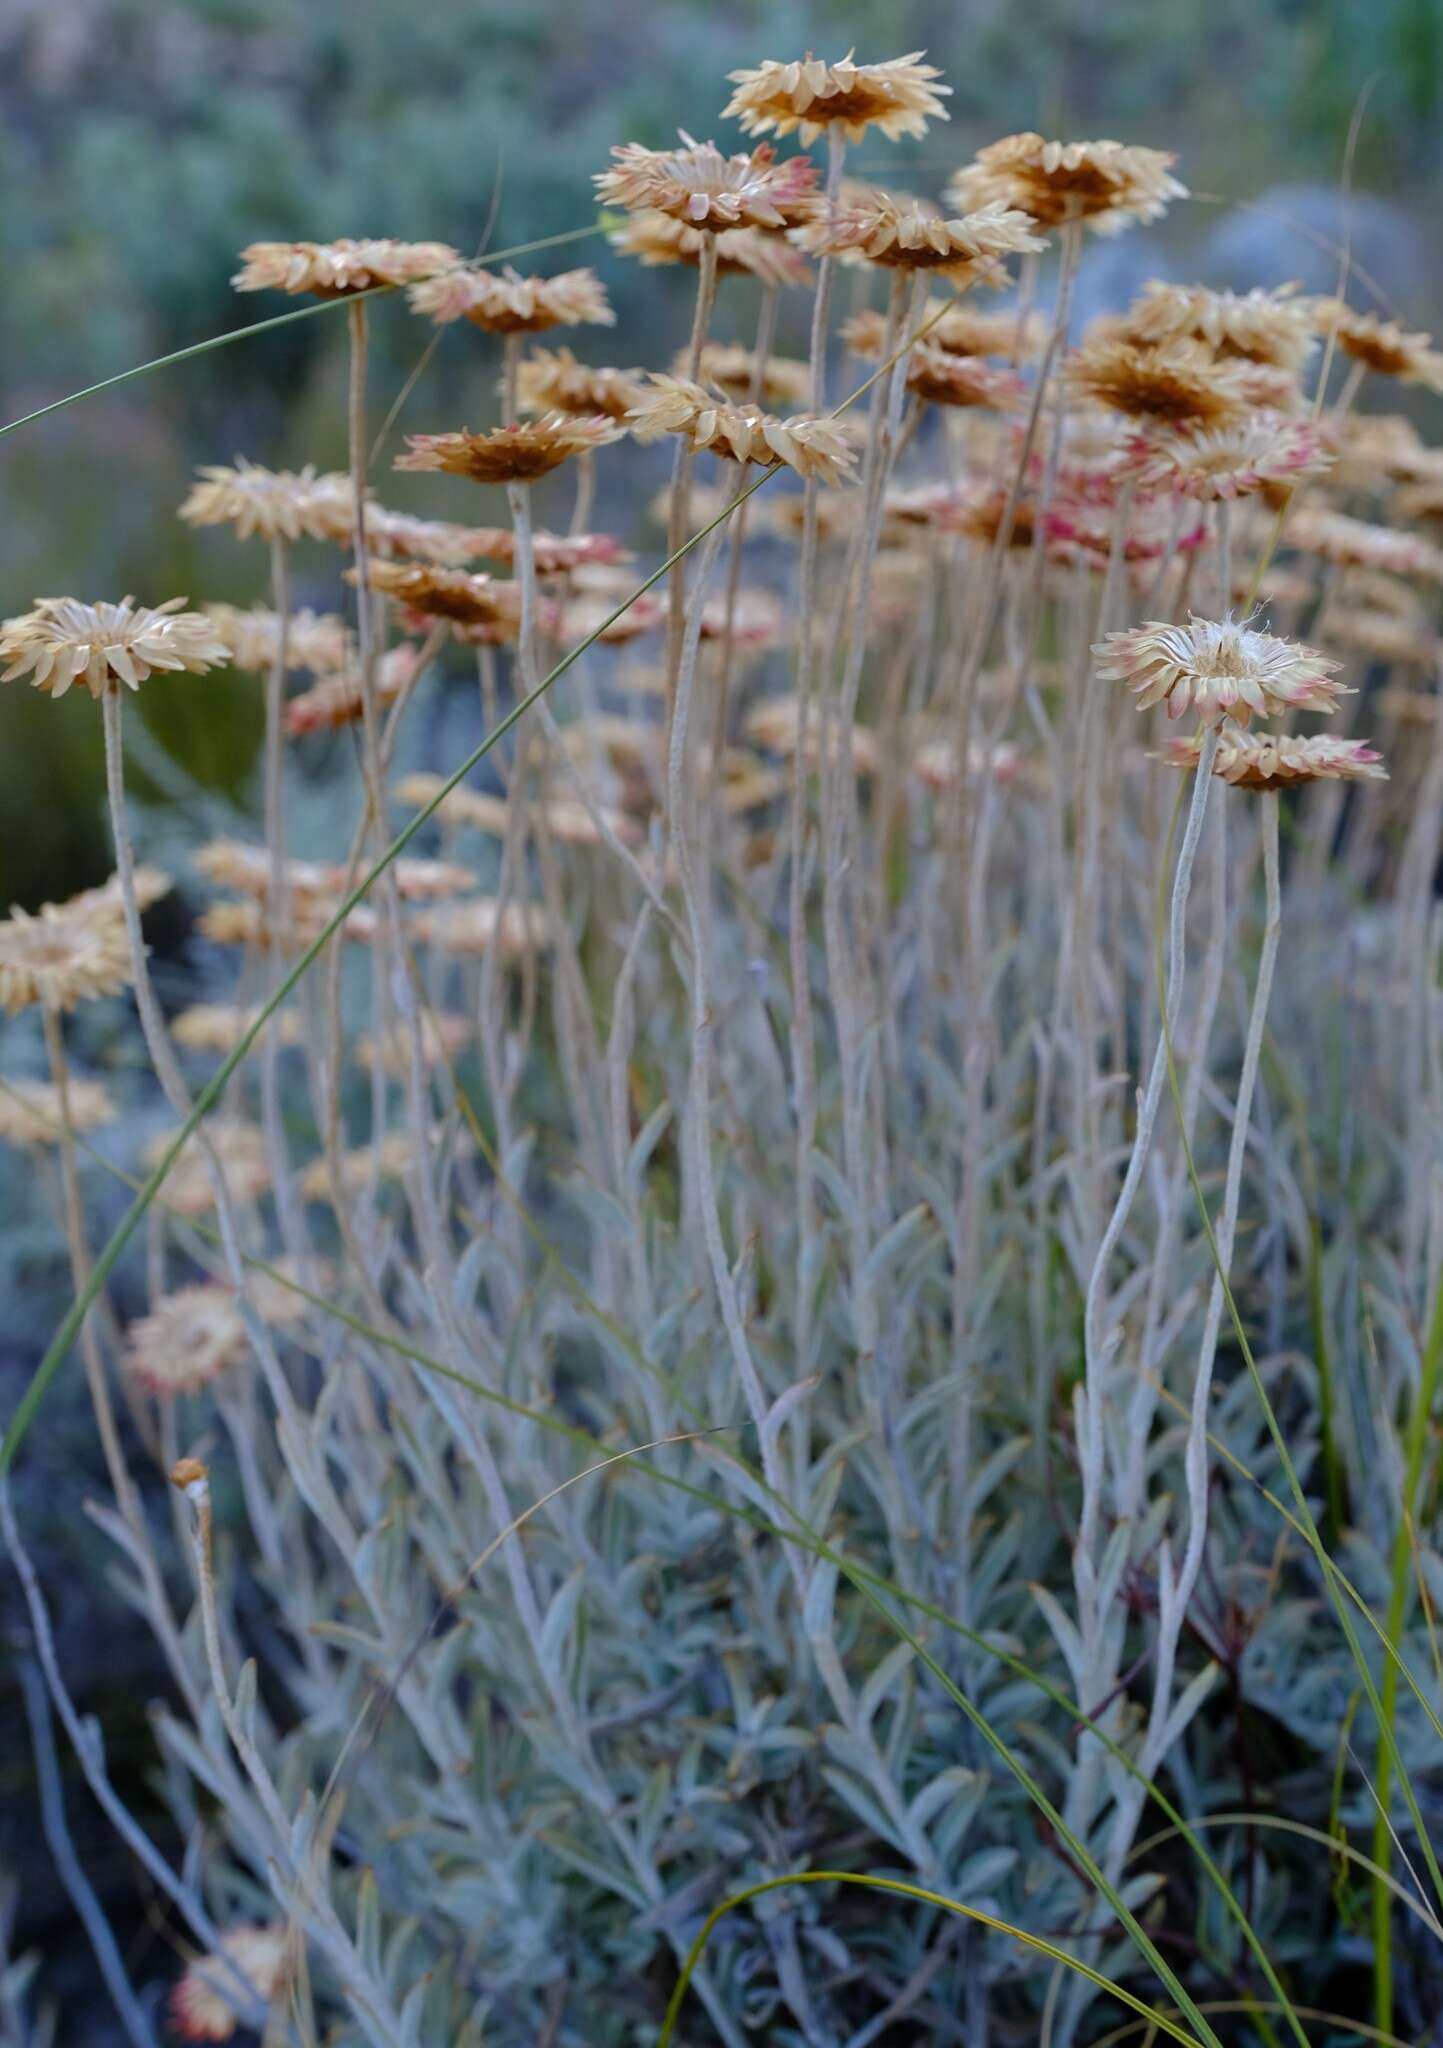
(800, 1373)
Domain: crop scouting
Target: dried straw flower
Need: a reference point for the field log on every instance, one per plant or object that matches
(316, 641)
(1108, 185)
(392, 1157)
(1382, 636)
(451, 545)
(1374, 449)
(333, 270)
(1274, 760)
(504, 302)
(938, 377)
(956, 329)
(812, 447)
(509, 455)
(231, 864)
(698, 185)
(63, 641)
(1231, 461)
(775, 724)
(1385, 347)
(1178, 383)
(244, 1158)
(732, 370)
(1219, 668)
(444, 1037)
(250, 924)
(935, 762)
(913, 237)
(274, 504)
(554, 381)
(187, 1340)
(62, 955)
(201, 2005)
(337, 700)
(596, 617)
(1421, 501)
(755, 618)
(218, 1027)
(473, 927)
(898, 98)
(30, 1112)
(447, 593)
(656, 238)
(150, 885)
(1276, 327)
(1357, 543)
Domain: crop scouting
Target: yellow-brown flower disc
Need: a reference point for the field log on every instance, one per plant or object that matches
(333, 270)
(509, 455)
(446, 593)
(103, 645)
(897, 98)
(1382, 345)
(1179, 383)
(1107, 185)
(504, 302)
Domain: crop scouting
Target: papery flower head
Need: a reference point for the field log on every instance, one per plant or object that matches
(959, 329)
(1386, 348)
(314, 640)
(187, 1340)
(1231, 461)
(554, 381)
(333, 270)
(1219, 669)
(898, 98)
(338, 699)
(203, 2005)
(1178, 383)
(504, 302)
(776, 724)
(444, 1036)
(1275, 327)
(657, 238)
(935, 762)
(813, 447)
(62, 955)
(243, 1154)
(896, 236)
(218, 1027)
(274, 504)
(447, 593)
(941, 378)
(103, 645)
(252, 923)
(30, 1111)
(510, 454)
(480, 925)
(698, 185)
(588, 617)
(732, 369)
(1266, 760)
(1108, 185)
(1358, 543)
